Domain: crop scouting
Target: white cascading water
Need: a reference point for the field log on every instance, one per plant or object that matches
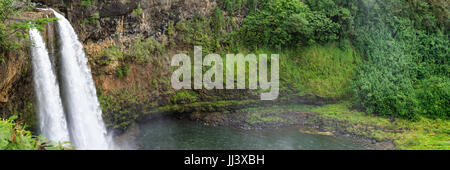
(85, 121)
(52, 120)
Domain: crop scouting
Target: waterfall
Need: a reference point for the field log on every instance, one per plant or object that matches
(52, 120)
(86, 126)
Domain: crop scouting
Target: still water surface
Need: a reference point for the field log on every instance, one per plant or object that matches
(169, 134)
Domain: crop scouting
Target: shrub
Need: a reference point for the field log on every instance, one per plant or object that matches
(200, 31)
(121, 107)
(138, 10)
(218, 21)
(406, 70)
(143, 50)
(122, 71)
(233, 5)
(93, 19)
(384, 84)
(13, 136)
(110, 54)
(434, 97)
(283, 23)
(87, 3)
(307, 28)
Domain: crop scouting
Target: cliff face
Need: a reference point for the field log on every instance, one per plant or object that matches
(16, 83)
(10, 72)
(115, 24)
(104, 23)
(102, 19)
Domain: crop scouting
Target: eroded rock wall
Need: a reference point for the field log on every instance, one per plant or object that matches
(101, 19)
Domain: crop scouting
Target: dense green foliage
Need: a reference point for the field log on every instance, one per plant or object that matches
(288, 23)
(389, 57)
(122, 71)
(118, 107)
(405, 46)
(434, 95)
(143, 50)
(392, 54)
(406, 59)
(13, 136)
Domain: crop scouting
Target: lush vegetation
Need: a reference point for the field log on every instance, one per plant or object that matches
(393, 54)
(13, 136)
(287, 23)
(12, 32)
(403, 52)
(14, 133)
(387, 58)
(320, 70)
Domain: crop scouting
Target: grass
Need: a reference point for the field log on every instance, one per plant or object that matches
(321, 70)
(256, 118)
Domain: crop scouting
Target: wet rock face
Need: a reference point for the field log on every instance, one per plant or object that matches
(108, 18)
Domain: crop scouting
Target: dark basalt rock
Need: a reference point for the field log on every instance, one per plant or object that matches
(102, 19)
(116, 8)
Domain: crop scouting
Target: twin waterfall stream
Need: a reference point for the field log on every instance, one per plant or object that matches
(67, 102)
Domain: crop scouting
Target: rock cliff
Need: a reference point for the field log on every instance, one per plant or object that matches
(16, 83)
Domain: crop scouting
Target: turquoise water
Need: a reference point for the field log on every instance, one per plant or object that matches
(169, 134)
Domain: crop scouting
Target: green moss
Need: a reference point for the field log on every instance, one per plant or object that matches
(184, 96)
(214, 106)
(257, 118)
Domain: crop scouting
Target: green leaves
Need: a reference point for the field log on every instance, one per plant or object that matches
(11, 34)
(406, 70)
(87, 3)
(287, 23)
(37, 23)
(13, 136)
(144, 50)
(434, 93)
